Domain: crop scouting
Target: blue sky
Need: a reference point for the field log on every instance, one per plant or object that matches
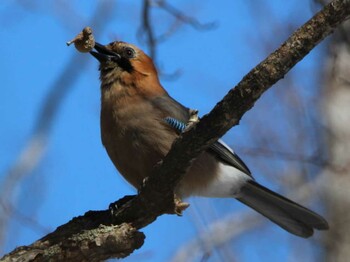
(75, 174)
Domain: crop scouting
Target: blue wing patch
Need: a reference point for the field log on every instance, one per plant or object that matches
(176, 124)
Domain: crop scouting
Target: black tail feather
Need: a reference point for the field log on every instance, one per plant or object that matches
(289, 215)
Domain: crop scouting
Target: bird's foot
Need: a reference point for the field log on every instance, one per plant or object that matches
(113, 207)
(194, 119)
(180, 206)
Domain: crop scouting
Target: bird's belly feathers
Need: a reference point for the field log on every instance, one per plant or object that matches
(138, 142)
(135, 140)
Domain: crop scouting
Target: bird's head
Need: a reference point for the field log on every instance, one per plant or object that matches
(125, 64)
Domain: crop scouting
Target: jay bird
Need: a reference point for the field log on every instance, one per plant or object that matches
(140, 121)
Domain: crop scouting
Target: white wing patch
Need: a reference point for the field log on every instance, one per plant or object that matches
(227, 183)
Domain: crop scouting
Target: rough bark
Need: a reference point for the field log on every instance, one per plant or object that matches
(97, 244)
(156, 196)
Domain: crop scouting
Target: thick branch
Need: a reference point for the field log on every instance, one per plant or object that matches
(156, 197)
(97, 244)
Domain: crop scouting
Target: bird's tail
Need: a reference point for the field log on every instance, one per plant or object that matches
(289, 215)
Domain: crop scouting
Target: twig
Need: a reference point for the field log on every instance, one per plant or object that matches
(217, 234)
(183, 17)
(147, 27)
(314, 159)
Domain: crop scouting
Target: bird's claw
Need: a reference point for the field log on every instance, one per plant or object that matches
(194, 119)
(180, 206)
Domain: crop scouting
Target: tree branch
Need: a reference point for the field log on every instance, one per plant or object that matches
(114, 241)
(156, 196)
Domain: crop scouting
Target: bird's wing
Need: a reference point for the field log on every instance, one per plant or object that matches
(177, 116)
(171, 108)
(227, 155)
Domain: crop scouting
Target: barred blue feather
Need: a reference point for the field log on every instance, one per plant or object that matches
(176, 124)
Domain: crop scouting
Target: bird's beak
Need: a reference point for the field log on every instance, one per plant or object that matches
(103, 54)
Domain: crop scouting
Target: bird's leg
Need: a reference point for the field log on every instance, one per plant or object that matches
(113, 207)
(194, 119)
(179, 205)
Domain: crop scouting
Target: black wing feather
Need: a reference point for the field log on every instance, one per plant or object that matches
(227, 155)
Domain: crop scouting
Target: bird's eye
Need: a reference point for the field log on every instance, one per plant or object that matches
(129, 52)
